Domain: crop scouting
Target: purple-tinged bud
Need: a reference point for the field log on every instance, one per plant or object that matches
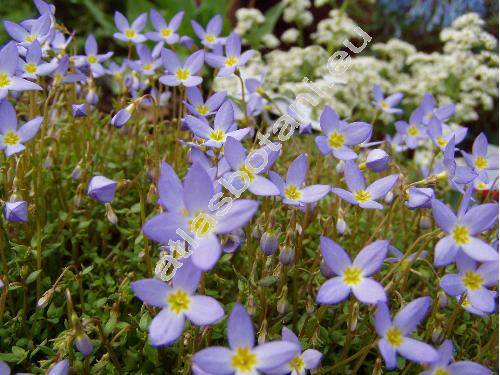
(377, 160)
(442, 300)
(269, 243)
(16, 212)
(436, 334)
(102, 189)
(340, 167)
(257, 232)
(234, 240)
(83, 344)
(287, 255)
(419, 197)
(389, 197)
(79, 110)
(77, 172)
(186, 41)
(59, 368)
(325, 270)
(92, 97)
(341, 226)
(123, 116)
(425, 222)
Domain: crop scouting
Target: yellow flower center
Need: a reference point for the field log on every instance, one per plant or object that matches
(297, 363)
(30, 68)
(147, 66)
(182, 74)
(92, 59)
(441, 371)
(384, 104)
(4, 80)
(481, 162)
(130, 33)
(218, 135)
(429, 115)
(293, 193)
(202, 109)
(247, 172)
(472, 280)
(243, 360)
(441, 141)
(166, 32)
(30, 38)
(201, 224)
(178, 301)
(231, 61)
(413, 131)
(362, 196)
(460, 234)
(336, 140)
(394, 336)
(10, 138)
(481, 185)
(352, 276)
(210, 38)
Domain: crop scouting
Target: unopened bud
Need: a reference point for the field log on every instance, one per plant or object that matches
(77, 172)
(45, 299)
(389, 197)
(340, 167)
(110, 214)
(287, 255)
(310, 304)
(269, 243)
(425, 222)
(341, 226)
(442, 300)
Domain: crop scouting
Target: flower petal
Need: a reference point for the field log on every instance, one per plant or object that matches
(240, 331)
(151, 291)
(333, 291)
(165, 328)
(204, 310)
(412, 314)
(335, 256)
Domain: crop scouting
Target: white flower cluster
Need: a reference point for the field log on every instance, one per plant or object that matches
(248, 18)
(332, 31)
(296, 11)
(466, 72)
(290, 36)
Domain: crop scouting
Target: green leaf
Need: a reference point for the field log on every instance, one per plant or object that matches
(33, 276)
(272, 16)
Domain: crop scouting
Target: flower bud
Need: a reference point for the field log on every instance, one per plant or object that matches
(436, 334)
(269, 243)
(287, 255)
(419, 197)
(257, 232)
(425, 222)
(123, 116)
(340, 167)
(83, 344)
(77, 172)
(310, 304)
(110, 214)
(341, 226)
(45, 299)
(377, 160)
(92, 97)
(79, 110)
(16, 212)
(442, 300)
(389, 197)
(102, 189)
(59, 368)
